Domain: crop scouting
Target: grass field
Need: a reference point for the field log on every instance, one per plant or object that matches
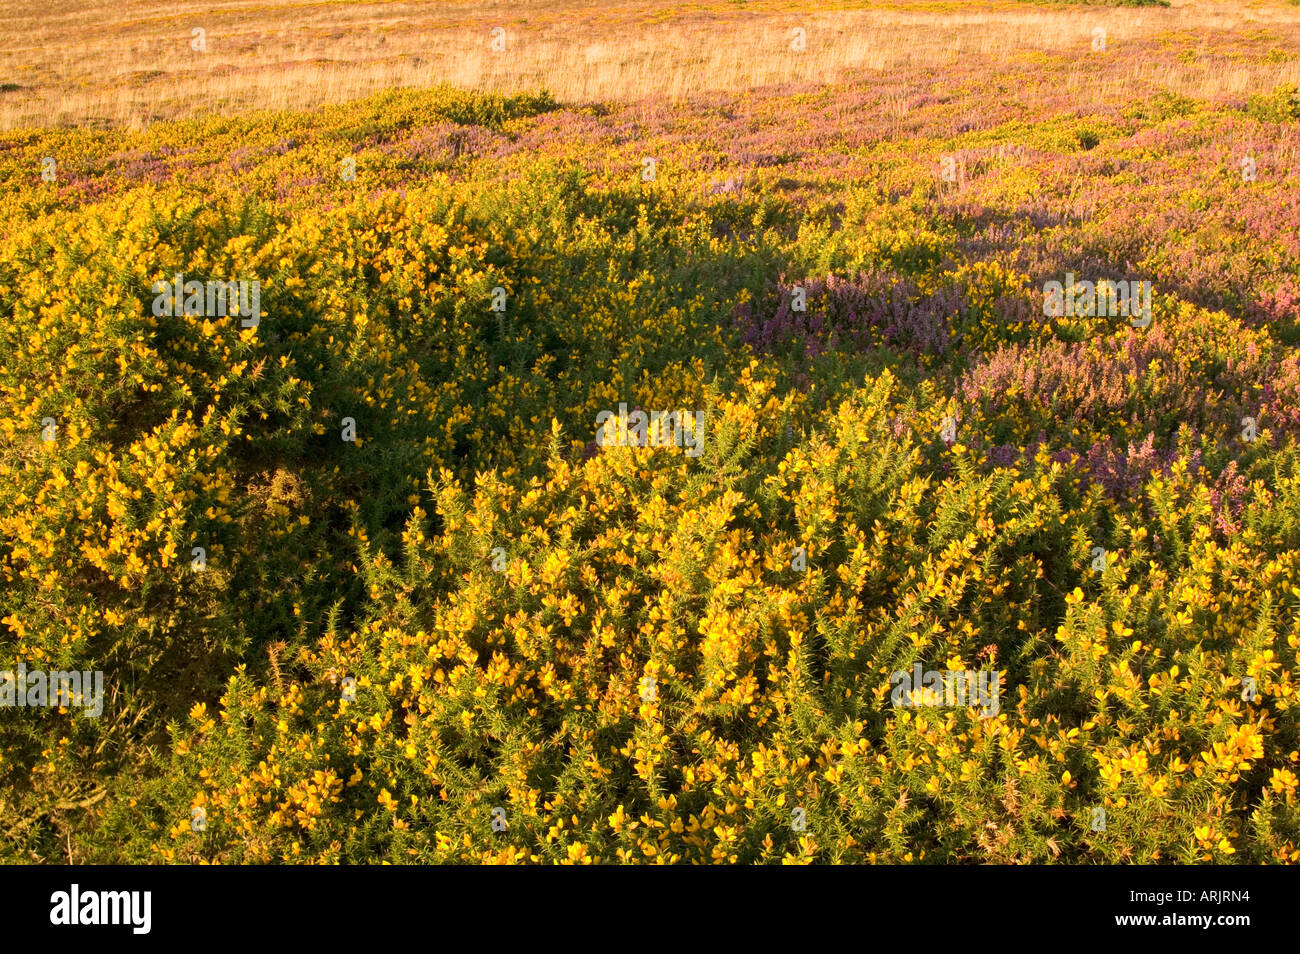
(377, 566)
(73, 62)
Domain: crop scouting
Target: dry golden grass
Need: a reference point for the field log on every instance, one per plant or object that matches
(130, 62)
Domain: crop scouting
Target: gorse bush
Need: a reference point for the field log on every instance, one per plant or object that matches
(1280, 105)
(366, 584)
